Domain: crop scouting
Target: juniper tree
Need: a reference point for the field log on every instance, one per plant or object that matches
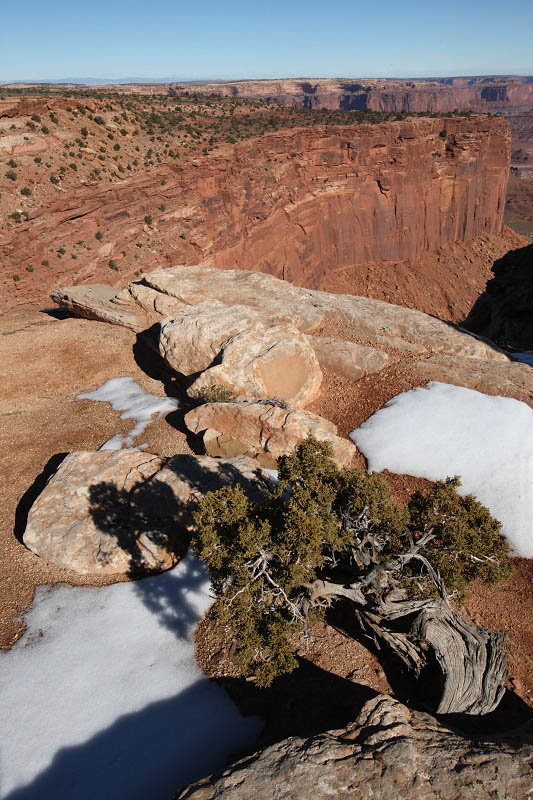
(325, 535)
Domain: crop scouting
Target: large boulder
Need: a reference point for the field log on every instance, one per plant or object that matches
(127, 512)
(190, 340)
(263, 431)
(264, 362)
(388, 753)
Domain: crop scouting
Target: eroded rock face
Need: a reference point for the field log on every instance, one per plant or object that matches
(390, 753)
(263, 362)
(191, 339)
(127, 512)
(263, 431)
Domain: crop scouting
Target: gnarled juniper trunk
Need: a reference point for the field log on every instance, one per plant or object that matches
(465, 661)
(436, 645)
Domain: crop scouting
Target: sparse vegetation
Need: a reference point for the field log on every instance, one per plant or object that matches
(326, 534)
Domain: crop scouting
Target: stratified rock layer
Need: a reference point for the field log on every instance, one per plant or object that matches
(390, 753)
(296, 203)
(126, 512)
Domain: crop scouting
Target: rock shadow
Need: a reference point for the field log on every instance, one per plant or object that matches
(147, 357)
(304, 702)
(150, 753)
(32, 493)
(504, 312)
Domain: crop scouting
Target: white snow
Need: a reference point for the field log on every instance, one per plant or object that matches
(526, 357)
(102, 696)
(447, 430)
(126, 395)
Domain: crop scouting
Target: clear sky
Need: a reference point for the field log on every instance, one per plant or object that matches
(51, 39)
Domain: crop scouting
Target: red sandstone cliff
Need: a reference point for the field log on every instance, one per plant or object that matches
(295, 204)
(483, 94)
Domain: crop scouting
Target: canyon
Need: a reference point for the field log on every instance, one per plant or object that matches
(330, 206)
(484, 93)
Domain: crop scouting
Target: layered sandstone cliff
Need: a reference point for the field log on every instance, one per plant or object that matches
(440, 95)
(296, 204)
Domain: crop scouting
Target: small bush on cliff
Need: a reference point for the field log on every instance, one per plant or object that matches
(216, 394)
(324, 534)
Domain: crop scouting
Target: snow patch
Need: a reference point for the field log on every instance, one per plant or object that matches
(126, 395)
(448, 430)
(102, 696)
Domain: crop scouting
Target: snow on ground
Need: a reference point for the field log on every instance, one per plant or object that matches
(126, 395)
(448, 430)
(102, 696)
(526, 357)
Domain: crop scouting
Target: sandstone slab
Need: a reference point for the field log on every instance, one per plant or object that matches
(347, 359)
(264, 362)
(126, 512)
(263, 431)
(390, 753)
(505, 378)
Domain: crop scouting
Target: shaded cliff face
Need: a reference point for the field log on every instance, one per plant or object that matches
(295, 204)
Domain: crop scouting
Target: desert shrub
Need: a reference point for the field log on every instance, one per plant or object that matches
(36, 117)
(99, 235)
(45, 263)
(113, 265)
(443, 134)
(37, 159)
(25, 191)
(16, 216)
(325, 524)
(12, 163)
(29, 268)
(44, 129)
(54, 179)
(148, 219)
(16, 278)
(11, 175)
(216, 394)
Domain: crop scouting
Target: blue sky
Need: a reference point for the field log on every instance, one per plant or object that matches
(43, 39)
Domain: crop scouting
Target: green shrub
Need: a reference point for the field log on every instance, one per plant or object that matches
(45, 130)
(26, 191)
(16, 216)
(216, 394)
(11, 175)
(12, 163)
(29, 269)
(54, 179)
(99, 235)
(148, 219)
(113, 265)
(16, 278)
(321, 522)
(36, 117)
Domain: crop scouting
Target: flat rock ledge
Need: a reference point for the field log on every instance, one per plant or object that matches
(388, 753)
(127, 512)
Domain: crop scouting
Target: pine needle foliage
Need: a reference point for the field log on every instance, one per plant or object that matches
(325, 524)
